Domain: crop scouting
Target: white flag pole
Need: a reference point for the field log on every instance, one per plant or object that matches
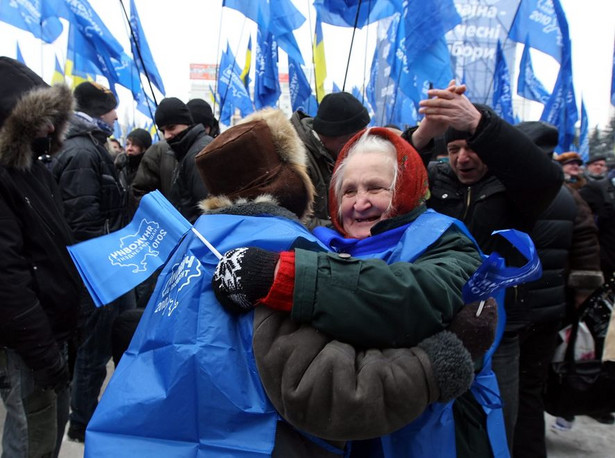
(207, 244)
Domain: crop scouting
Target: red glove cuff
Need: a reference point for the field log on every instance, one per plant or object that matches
(280, 296)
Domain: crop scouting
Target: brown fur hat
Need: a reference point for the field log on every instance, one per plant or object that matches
(261, 156)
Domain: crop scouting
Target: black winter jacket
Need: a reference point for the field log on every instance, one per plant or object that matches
(566, 239)
(520, 184)
(95, 203)
(187, 188)
(39, 285)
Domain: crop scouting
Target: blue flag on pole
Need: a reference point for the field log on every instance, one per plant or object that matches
(344, 13)
(140, 50)
(38, 17)
(421, 57)
(279, 17)
(537, 22)
(528, 86)
(115, 263)
(301, 96)
(561, 108)
(93, 39)
(231, 91)
(266, 80)
(584, 134)
(502, 96)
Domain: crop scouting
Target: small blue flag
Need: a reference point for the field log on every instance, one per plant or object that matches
(537, 23)
(231, 91)
(266, 81)
(115, 263)
(528, 86)
(35, 16)
(140, 49)
(20, 55)
(502, 96)
(301, 96)
(344, 13)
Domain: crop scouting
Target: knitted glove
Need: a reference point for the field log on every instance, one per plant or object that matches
(55, 377)
(476, 332)
(451, 364)
(242, 277)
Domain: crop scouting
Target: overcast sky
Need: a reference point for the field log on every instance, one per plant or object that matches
(181, 32)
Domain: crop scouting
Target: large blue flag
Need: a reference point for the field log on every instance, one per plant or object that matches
(584, 134)
(301, 96)
(536, 21)
(502, 95)
(389, 104)
(140, 49)
(279, 17)
(38, 17)
(231, 91)
(266, 80)
(561, 108)
(421, 58)
(113, 264)
(528, 86)
(343, 13)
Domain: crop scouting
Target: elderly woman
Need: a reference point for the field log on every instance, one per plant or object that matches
(410, 291)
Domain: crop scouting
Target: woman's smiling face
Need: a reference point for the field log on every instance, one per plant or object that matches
(366, 193)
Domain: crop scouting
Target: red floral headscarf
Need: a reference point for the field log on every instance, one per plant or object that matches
(411, 189)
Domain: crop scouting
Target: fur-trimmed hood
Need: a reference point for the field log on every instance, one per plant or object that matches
(38, 107)
(261, 156)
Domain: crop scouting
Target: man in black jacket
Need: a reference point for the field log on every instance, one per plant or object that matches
(496, 178)
(186, 139)
(95, 203)
(39, 291)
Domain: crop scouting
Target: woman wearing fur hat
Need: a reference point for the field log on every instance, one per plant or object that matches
(377, 206)
(260, 191)
(39, 292)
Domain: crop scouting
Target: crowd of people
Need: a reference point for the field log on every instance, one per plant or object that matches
(347, 288)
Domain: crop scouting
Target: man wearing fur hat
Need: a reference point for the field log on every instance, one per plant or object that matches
(571, 164)
(340, 115)
(185, 138)
(39, 292)
(95, 203)
(496, 178)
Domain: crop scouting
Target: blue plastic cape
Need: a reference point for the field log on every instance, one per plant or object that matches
(188, 384)
(113, 264)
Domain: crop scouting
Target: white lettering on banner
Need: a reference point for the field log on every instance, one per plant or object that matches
(480, 31)
(135, 248)
(471, 53)
(475, 10)
(180, 275)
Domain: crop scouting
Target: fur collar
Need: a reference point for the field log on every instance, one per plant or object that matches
(264, 204)
(35, 109)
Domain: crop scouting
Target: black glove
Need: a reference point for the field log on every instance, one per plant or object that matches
(55, 377)
(242, 277)
(476, 332)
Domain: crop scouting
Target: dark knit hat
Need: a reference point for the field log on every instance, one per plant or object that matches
(201, 112)
(15, 80)
(94, 99)
(172, 111)
(569, 157)
(140, 137)
(544, 135)
(596, 158)
(340, 114)
(263, 155)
